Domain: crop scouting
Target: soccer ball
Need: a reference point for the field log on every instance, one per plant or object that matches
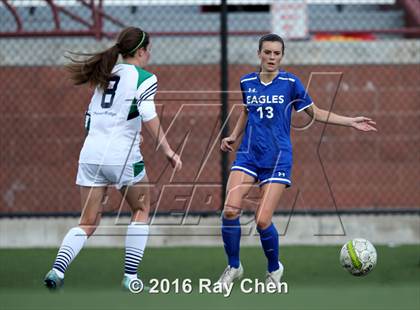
(358, 256)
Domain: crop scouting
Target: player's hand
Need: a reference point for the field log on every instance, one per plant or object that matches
(174, 160)
(363, 124)
(226, 145)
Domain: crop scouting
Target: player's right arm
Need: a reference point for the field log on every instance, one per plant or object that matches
(146, 105)
(227, 142)
(155, 129)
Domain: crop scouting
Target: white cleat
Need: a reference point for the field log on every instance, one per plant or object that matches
(229, 275)
(273, 279)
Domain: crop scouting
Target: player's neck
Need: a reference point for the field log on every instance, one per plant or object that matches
(132, 61)
(267, 77)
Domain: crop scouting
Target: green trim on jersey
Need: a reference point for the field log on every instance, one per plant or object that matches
(134, 111)
(87, 122)
(138, 168)
(143, 75)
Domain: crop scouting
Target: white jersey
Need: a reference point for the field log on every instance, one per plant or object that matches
(114, 117)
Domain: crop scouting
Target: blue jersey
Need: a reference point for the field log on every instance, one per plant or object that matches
(266, 141)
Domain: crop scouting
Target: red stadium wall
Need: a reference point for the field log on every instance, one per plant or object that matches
(42, 133)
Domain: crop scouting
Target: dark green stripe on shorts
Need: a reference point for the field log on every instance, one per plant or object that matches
(138, 168)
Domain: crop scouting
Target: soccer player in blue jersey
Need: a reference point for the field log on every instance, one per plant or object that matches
(265, 154)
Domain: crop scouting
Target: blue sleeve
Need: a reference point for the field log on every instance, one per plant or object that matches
(301, 99)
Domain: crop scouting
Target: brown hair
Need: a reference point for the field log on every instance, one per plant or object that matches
(96, 69)
(271, 37)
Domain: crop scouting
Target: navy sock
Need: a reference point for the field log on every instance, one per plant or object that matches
(231, 233)
(270, 242)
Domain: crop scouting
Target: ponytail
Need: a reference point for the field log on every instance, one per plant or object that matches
(96, 69)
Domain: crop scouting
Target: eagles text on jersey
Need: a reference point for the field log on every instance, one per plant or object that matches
(267, 135)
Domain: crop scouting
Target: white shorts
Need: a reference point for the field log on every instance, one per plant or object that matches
(93, 175)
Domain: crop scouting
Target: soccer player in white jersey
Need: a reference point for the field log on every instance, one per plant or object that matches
(265, 153)
(122, 101)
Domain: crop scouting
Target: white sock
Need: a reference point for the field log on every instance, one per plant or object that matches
(135, 242)
(72, 244)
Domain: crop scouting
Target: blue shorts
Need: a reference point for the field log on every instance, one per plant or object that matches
(279, 174)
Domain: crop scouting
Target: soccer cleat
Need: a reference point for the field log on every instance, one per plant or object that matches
(275, 277)
(125, 283)
(52, 281)
(229, 275)
(134, 286)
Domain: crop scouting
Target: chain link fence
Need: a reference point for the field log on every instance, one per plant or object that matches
(360, 59)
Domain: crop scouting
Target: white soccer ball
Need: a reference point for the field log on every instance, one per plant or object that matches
(358, 256)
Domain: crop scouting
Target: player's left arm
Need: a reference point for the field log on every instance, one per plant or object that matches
(360, 122)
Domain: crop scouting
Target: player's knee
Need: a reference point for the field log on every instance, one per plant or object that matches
(263, 222)
(231, 213)
(232, 205)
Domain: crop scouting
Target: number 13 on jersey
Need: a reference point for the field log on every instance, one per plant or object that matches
(266, 112)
